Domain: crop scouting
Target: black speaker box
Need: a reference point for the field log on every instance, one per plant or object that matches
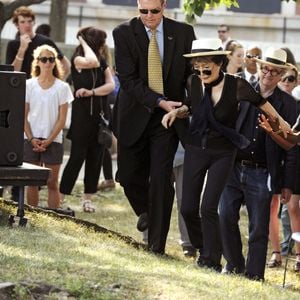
(12, 109)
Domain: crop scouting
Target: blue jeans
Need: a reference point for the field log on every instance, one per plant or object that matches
(246, 185)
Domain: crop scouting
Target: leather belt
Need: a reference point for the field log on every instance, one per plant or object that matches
(252, 164)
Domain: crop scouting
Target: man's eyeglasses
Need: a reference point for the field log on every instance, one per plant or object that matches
(44, 59)
(154, 11)
(248, 55)
(266, 70)
(222, 31)
(290, 78)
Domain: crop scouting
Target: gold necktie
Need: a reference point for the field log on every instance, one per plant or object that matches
(155, 78)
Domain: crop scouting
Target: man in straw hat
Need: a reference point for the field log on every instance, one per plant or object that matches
(211, 143)
(248, 181)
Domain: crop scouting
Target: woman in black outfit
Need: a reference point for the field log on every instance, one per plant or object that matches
(213, 100)
(92, 79)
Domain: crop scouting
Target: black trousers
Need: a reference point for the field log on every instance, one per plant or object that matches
(92, 155)
(203, 228)
(107, 165)
(144, 171)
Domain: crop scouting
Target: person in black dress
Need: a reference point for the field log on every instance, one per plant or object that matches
(211, 143)
(92, 79)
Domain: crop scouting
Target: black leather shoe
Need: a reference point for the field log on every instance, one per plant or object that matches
(189, 251)
(204, 263)
(142, 223)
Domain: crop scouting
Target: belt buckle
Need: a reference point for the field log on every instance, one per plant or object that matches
(244, 163)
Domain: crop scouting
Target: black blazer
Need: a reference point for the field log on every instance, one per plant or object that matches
(281, 164)
(136, 102)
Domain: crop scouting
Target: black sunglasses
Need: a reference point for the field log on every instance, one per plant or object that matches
(44, 59)
(154, 11)
(290, 78)
(252, 56)
(204, 72)
(222, 31)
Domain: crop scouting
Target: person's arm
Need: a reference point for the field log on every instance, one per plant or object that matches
(89, 60)
(102, 90)
(27, 127)
(59, 125)
(274, 133)
(169, 118)
(275, 117)
(66, 66)
(25, 40)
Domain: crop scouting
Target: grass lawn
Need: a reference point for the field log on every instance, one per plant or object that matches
(95, 265)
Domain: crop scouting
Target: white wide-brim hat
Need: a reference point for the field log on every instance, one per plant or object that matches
(206, 47)
(276, 58)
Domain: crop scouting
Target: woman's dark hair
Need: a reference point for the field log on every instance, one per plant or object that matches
(217, 59)
(44, 29)
(94, 37)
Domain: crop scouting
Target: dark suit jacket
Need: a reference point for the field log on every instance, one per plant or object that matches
(281, 164)
(136, 102)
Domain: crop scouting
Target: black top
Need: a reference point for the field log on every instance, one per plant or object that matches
(226, 111)
(250, 128)
(86, 111)
(38, 40)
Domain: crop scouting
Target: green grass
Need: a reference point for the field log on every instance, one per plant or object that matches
(95, 265)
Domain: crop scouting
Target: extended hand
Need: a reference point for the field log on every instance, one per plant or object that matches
(83, 93)
(169, 105)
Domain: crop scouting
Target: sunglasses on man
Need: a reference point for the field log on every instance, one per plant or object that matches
(290, 78)
(154, 11)
(44, 59)
(222, 31)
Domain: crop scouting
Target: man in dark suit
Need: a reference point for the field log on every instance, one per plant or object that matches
(260, 170)
(250, 72)
(145, 148)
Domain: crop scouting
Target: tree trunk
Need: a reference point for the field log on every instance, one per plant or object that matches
(58, 19)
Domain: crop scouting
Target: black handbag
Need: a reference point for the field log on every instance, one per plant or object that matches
(104, 133)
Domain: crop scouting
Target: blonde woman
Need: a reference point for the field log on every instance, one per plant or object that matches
(47, 98)
(235, 59)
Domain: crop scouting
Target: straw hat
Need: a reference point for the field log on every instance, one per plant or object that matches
(206, 47)
(276, 58)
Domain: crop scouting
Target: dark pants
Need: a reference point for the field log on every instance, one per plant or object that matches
(145, 172)
(107, 165)
(204, 231)
(246, 185)
(92, 155)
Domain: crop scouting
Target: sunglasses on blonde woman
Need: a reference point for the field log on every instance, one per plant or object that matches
(44, 59)
(289, 78)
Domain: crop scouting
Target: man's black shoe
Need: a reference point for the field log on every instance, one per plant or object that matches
(142, 223)
(189, 251)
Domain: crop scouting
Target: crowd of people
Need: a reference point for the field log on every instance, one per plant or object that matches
(218, 119)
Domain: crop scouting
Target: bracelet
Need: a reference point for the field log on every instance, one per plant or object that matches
(19, 58)
(29, 140)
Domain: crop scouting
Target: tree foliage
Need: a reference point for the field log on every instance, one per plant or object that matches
(197, 7)
(7, 8)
